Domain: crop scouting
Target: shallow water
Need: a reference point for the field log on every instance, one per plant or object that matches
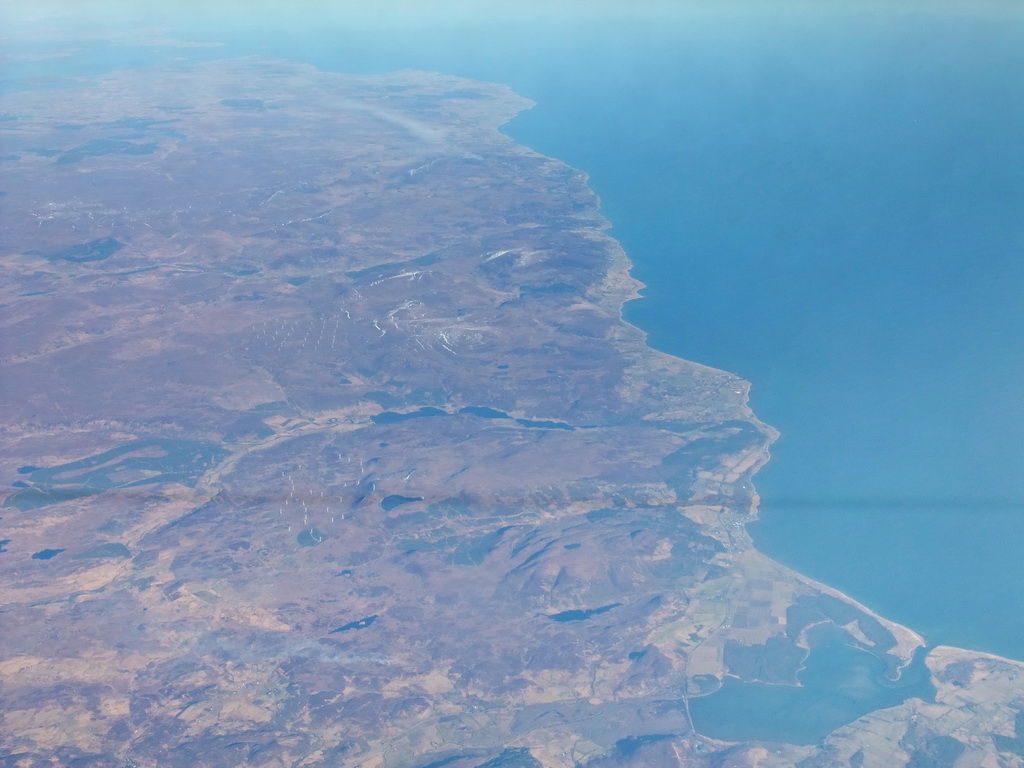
(838, 684)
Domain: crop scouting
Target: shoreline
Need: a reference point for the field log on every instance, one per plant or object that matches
(629, 288)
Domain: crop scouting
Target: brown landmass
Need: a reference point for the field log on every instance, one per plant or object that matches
(331, 448)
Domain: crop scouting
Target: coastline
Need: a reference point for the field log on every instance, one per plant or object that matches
(990, 690)
(619, 288)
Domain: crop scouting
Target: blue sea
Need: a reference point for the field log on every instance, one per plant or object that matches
(827, 199)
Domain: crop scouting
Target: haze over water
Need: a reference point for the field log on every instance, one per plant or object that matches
(827, 202)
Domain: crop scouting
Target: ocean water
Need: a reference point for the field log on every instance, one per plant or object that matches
(827, 199)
